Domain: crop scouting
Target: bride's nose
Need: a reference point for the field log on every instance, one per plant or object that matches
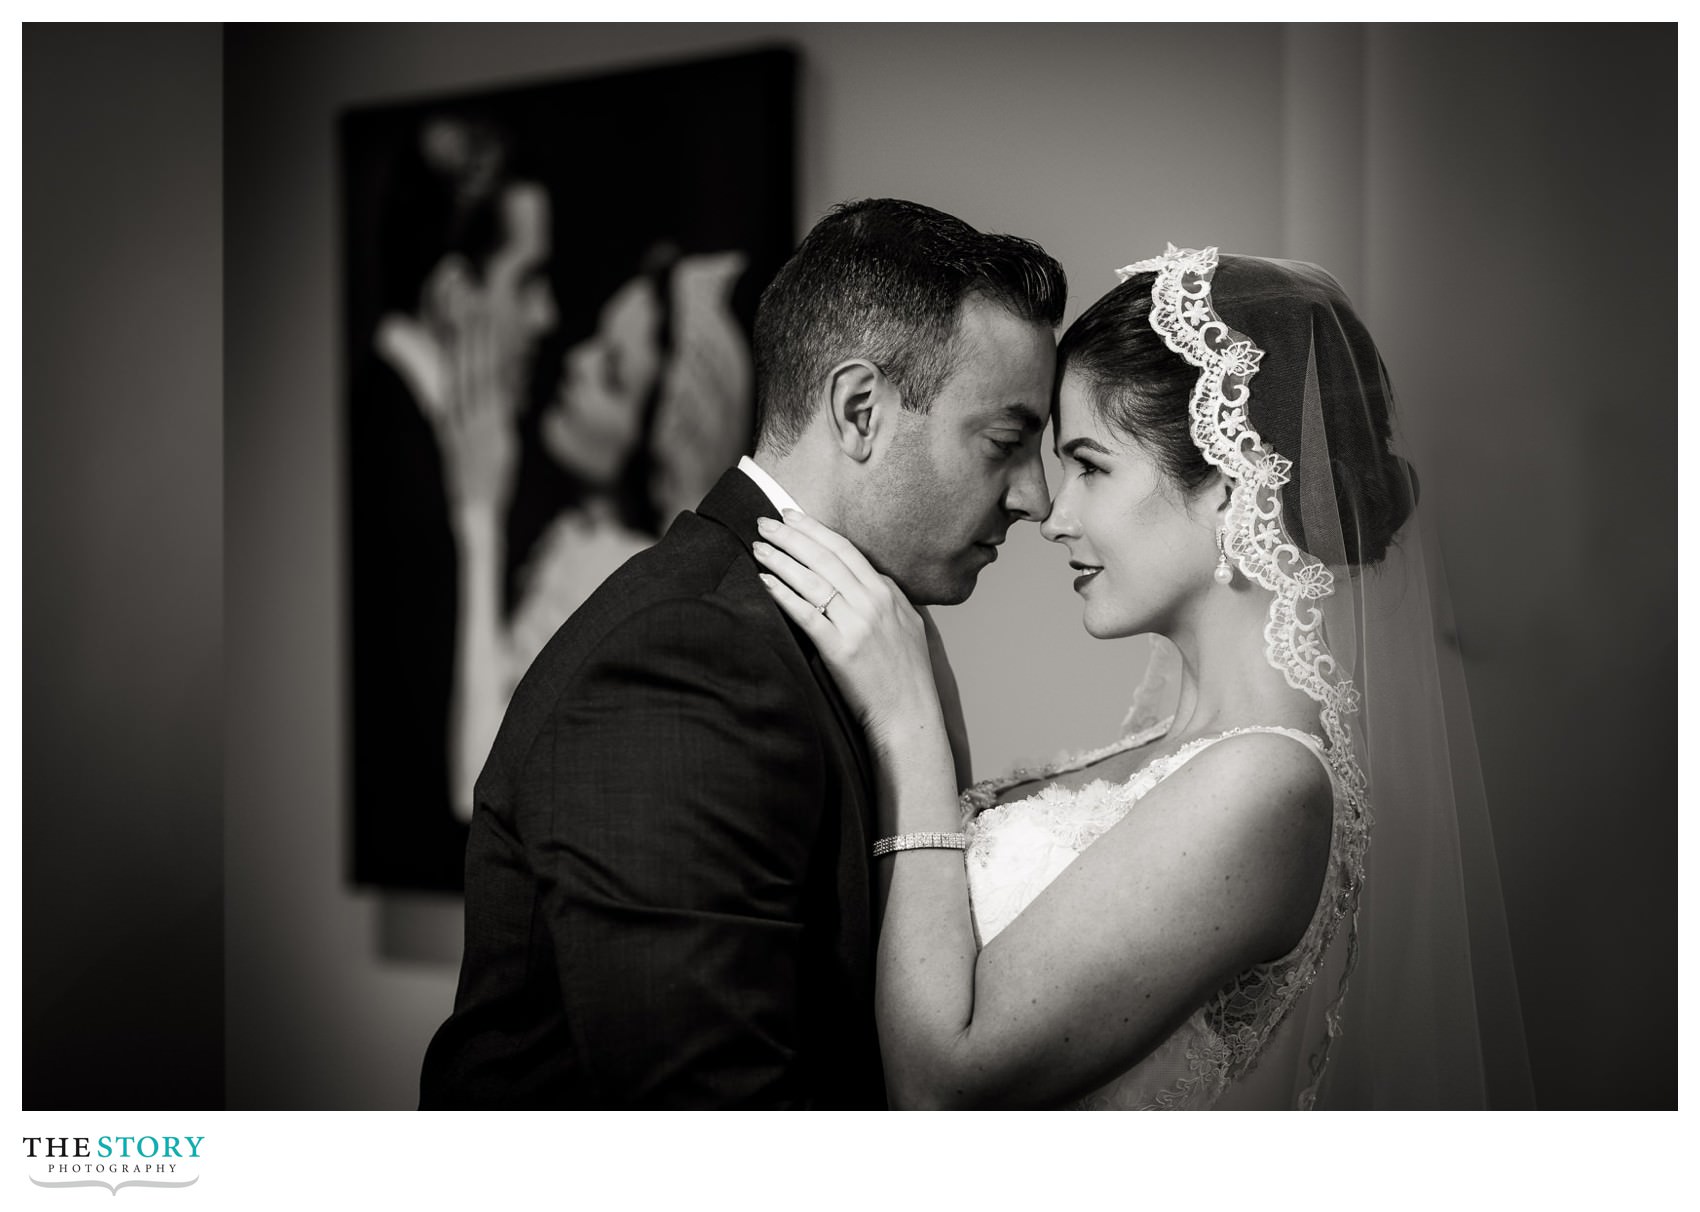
(1060, 525)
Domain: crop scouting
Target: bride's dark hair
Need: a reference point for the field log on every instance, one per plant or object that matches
(1141, 387)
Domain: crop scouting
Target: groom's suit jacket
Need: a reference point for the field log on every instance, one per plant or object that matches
(667, 878)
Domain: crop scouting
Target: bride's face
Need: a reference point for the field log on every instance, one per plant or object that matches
(1140, 549)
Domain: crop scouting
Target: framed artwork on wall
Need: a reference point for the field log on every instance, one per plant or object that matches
(548, 296)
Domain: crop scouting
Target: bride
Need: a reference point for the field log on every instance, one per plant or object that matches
(1174, 920)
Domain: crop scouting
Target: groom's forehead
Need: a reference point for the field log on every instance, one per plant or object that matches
(972, 412)
(1025, 416)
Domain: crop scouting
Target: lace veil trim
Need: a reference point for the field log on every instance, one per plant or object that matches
(1257, 540)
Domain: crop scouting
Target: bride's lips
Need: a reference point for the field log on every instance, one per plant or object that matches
(1087, 571)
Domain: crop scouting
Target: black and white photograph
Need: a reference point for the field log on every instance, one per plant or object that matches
(527, 408)
(850, 567)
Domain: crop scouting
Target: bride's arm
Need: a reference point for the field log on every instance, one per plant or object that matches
(1218, 869)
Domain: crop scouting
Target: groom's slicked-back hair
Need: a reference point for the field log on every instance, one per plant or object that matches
(884, 279)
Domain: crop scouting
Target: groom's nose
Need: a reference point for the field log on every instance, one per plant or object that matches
(1028, 496)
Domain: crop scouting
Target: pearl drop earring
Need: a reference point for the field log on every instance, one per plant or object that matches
(1224, 571)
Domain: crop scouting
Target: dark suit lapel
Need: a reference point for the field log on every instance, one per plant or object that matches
(736, 502)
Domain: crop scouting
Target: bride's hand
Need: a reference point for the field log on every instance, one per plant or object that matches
(872, 639)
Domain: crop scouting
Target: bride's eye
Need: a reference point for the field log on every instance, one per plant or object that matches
(1085, 468)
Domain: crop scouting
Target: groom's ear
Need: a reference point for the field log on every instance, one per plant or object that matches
(858, 397)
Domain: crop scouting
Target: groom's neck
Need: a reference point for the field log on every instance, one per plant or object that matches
(800, 472)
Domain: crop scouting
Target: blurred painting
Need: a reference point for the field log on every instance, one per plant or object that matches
(550, 291)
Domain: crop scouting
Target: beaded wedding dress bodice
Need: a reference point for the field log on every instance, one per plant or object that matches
(1017, 848)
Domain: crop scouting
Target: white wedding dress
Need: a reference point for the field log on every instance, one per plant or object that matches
(1016, 848)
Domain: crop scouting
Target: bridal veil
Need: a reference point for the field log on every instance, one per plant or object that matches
(1415, 1003)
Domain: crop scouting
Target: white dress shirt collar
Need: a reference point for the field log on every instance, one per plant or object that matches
(781, 499)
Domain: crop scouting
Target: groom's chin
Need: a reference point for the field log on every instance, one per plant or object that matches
(940, 587)
(939, 580)
(949, 591)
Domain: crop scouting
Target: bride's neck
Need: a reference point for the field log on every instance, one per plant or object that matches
(1227, 680)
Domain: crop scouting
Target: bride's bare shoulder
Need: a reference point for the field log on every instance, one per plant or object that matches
(1262, 792)
(1261, 773)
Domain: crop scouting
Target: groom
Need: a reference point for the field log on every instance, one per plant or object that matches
(667, 879)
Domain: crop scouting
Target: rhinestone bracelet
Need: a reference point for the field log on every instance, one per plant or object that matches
(921, 841)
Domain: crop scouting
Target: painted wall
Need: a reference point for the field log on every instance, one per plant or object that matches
(1520, 242)
(1470, 186)
(122, 890)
